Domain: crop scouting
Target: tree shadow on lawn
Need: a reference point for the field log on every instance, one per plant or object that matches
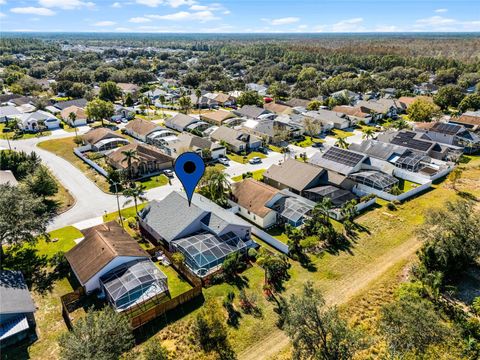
(36, 269)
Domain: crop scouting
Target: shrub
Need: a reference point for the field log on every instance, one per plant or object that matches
(132, 223)
(252, 254)
(391, 206)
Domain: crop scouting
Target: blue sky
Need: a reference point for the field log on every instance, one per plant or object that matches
(239, 16)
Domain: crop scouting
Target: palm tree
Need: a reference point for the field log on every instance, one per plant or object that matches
(135, 194)
(129, 156)
(368, 133)
(72, 116)
(215, 186)
(198, 94)
(342, 143)
(161, 98)
(185, 104)
(401, 124)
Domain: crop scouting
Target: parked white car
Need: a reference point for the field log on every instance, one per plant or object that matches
(224, 161)
(255, 160)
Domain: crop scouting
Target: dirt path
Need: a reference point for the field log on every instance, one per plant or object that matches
(345, 289)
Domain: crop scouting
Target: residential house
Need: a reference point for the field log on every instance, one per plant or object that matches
(450, 134)
(80, 116)
(416, 142)
(122, 112)
(236, 140)
(297, 103)
(350, 96)
(110, 261)
(7, 112)
(5, 99)
(251, 197)
(293, 175)
(329, 119)
(22, 100)
(26, 108)
(203, 232)
(128, 88)
(103, 139)
(278, 108)
(147, 131)
(148, 160)
(37, 121)
(17, 321)
(271, 130)
(409, 100)
(337, 196)
(220, 99)
(181, 122)
(155, 94)
(345, 168)
(251, 111)
(291, 208)
(426, 88)
(216, 117)
(81, 103)
(7, 177)
(382, 108)
(354, 113)
(469, 119)
(189, 142)
(260, 89)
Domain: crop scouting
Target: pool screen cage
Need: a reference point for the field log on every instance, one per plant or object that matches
(375, 179)
(411, 161)
(294, 210)
(204, 251)
(134, 283)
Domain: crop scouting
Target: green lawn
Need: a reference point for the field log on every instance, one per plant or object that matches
(154, 181)
(308, 141)
(257, 175)
(366, 127)
(337, 133)
(64, 148)
(10, 135)
(406, 185)
(278, 232)
(126, 213)
(176, 284)
(275, 148)
(65, 242)
(239, 158)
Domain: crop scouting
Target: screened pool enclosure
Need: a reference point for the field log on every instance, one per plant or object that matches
(134, 283)
(204, 251)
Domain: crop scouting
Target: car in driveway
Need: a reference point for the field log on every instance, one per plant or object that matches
(168, 173)
(255, 160)
(317, 145)
(224, 161)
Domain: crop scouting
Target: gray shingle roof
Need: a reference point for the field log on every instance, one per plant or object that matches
(250, 111)
(14, 294)
(294, 174)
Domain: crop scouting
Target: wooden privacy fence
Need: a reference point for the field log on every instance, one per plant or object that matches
(160, 309)
(71, 302)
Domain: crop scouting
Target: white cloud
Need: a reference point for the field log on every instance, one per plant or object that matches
(123, 29)
(105, 23)
(2, 15)
(138, 20)
(199, 7)
(387, 28)
(440, 23)
(116, 5)
(66, 4)
(2, 2)
(349, 25)
(201, 16)
(282, 21)
(171, 3)
(302, 27)
(33, 10)
(441, 10)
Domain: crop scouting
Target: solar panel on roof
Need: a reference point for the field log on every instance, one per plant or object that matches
(342, 156)
(405, 139)
(445, 128)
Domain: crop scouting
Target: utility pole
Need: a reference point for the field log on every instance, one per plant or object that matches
(118, 204)
(8, 142)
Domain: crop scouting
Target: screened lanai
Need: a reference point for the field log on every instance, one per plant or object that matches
(133, 283)
(204, 251)
(375, 179)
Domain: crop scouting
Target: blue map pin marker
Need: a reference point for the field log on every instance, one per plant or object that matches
(189, 168)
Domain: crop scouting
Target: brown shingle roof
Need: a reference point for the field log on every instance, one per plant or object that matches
(350, 110)
(294, 174)
(222, 98)
(277, 108)
(252, 195)
(102, 244)
(469, 120)
(408, 100)
(142, 127)
(95, 135)
(78, 111)
(145, 153)
(217, 117)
